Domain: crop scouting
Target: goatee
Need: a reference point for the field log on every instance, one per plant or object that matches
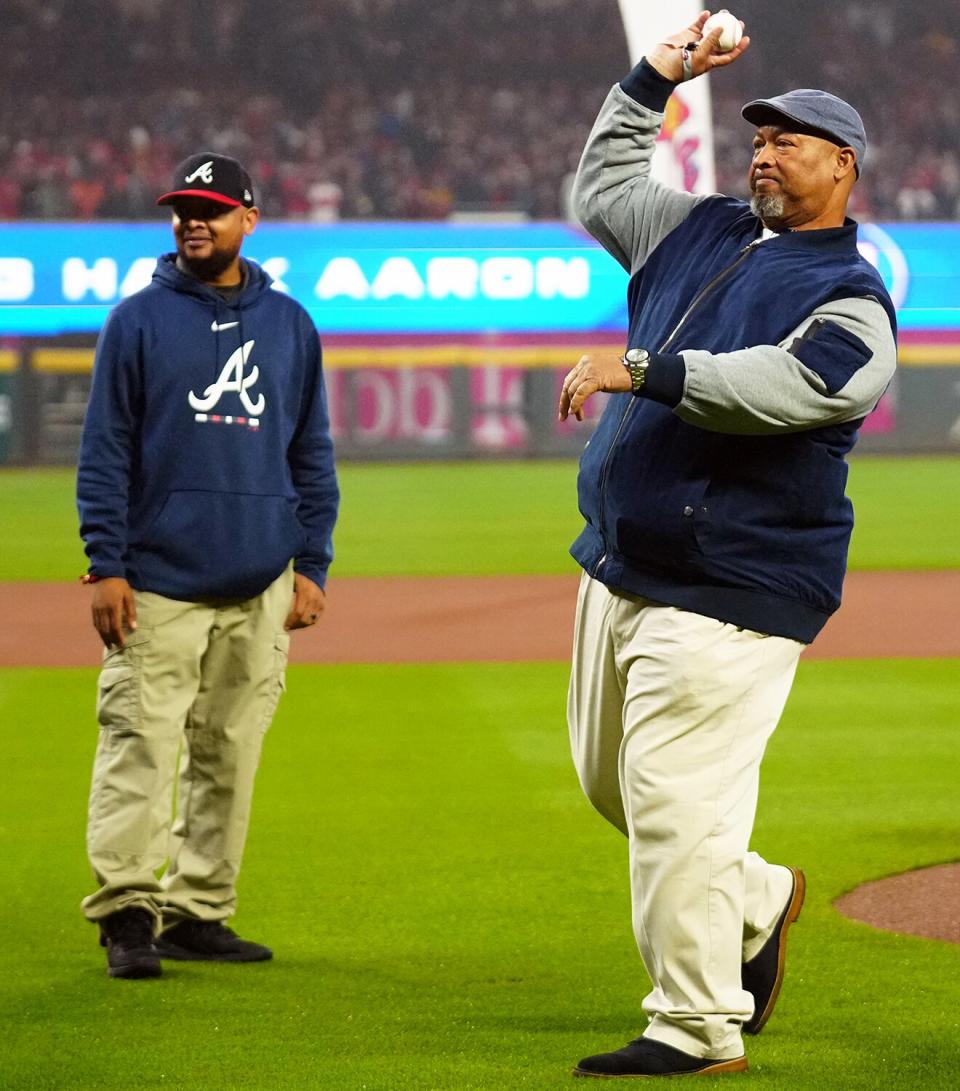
(205, 269)
(767, 208)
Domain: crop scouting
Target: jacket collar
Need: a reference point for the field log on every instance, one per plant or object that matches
(841, 239)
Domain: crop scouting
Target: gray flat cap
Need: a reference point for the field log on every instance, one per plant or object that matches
(818, 112)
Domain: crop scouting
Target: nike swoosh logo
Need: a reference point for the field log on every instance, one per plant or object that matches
(217, 326)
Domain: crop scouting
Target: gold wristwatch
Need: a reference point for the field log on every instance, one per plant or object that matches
(636, 361)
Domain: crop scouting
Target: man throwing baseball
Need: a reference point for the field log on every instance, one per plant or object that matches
(207, 498)
(716, 526)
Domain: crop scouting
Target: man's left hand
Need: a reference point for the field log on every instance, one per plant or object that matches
(592, 373)
(308, 603)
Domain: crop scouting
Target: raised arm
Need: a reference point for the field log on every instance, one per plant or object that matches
(614, 197)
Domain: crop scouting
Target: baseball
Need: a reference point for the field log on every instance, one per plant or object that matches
(732, 32)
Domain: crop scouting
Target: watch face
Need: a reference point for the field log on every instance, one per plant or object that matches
(636, 356)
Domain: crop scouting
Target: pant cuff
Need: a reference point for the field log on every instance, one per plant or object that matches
(675, 1035)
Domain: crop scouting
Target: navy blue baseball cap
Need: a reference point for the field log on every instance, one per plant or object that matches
(817, 113)
(217, 177)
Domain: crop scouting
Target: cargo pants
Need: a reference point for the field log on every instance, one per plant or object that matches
(194, 688)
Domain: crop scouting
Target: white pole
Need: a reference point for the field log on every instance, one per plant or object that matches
(684, 155)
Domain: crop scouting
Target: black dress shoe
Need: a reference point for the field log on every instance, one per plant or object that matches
(128, 938)
(648, 1057)
(763, 974)
(208, 941)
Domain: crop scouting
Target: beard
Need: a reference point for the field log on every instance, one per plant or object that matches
(207, 269)
(768, 207)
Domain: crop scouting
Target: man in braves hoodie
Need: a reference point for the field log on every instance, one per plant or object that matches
(207, 497)
(716, 526)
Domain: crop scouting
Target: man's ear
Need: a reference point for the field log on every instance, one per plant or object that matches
(846, 163)
(251, 217)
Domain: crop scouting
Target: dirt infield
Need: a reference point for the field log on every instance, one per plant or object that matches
(491, 619)
(529, 618)
(921, 903)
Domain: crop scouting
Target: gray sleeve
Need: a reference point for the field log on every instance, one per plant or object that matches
(831, 369)
(614, 197)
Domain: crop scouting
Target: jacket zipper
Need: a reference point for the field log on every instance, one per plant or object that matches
(697, 300)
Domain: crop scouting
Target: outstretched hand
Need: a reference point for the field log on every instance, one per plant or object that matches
(667, 57)
(603, 371)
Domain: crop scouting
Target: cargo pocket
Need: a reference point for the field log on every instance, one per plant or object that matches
(117, 697)
(118, 688)
(278, 679)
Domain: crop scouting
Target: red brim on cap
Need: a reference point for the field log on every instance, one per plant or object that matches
(208, 193)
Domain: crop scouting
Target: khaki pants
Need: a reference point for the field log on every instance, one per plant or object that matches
(669, 716)
(198, 680)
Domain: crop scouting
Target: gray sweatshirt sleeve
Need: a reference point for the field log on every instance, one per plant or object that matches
(614, 197)
(831, 369)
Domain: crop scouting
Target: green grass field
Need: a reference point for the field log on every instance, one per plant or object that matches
(447, 911)
(495, 517)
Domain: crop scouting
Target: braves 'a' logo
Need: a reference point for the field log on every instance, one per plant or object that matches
(204, 172)
(232, 380)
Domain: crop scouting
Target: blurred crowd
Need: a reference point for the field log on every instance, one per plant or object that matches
(346, 109)
(894, 62)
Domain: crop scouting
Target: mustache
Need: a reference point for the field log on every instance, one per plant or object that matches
(756, 176)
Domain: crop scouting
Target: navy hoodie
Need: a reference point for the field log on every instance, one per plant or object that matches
(206, 462)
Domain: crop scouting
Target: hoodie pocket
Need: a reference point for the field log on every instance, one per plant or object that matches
(214, 544)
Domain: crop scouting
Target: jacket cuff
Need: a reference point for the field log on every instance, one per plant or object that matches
(646, 86)
(107, 570)
(666, 375)
(315, 572)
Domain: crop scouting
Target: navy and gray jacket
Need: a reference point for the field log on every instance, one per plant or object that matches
(721, 489)
(206, 463)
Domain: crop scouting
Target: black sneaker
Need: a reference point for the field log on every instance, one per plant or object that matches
(648, 1057)
(763, 974)
(128, 938)
(208, 941)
